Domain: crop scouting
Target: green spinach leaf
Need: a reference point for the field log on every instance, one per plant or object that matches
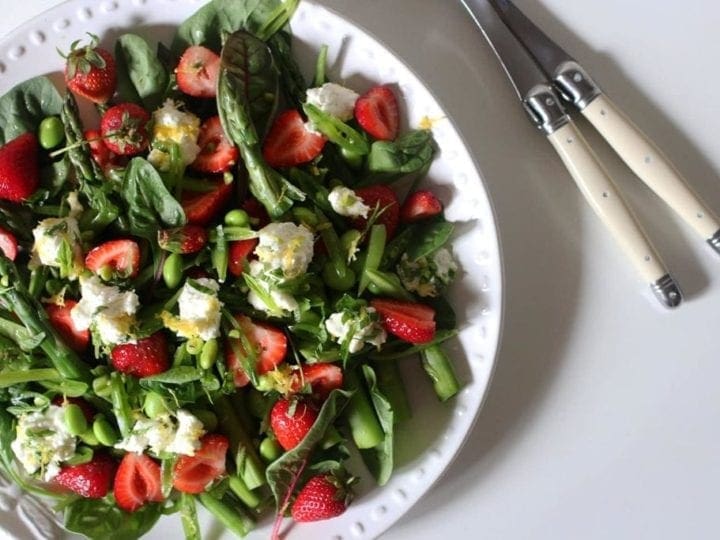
(150, 205)
(24, 106)
(430, 237)
(101, 519)
(409, 153)
(380, 460)
(282, 473)
(142, 78)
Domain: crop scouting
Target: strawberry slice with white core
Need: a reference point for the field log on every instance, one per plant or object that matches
(197, 72)
(120, 256)
(193, 474)
(270, 345)
(378, 113)
(217, 153)
(410, 321)
(137, 482)
(290, 142)
(8, 244)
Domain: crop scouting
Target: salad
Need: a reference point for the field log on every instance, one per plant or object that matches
(207, 284)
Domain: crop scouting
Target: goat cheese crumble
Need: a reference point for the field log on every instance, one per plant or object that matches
(346, 202)
(333, 99)
(199, 310)
(356, 328)
(105, 309)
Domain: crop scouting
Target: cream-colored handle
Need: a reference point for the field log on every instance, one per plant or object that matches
(600, 191)
(650, 165)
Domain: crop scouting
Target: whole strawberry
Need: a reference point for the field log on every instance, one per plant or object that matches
(149, 356)
(91, 480)
(90, 71)
(124, 129)
(291, 420)
(323, 497)
(19, 169)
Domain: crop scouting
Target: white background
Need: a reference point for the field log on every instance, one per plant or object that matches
(603, 419)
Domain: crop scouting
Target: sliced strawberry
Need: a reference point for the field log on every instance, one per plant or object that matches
(291, 420)
(323, 497)
(290, 143)
(384, 199)
(201, 207)
(90, 72)
(238, 253)
(322, 377)
(102, 155)
(87, 409)
(124, 129)
(270, 344)
(217, 153)
(146, 357)
(410, 321)
(420, 205)
(137, 482)
(197, 72)
(121, 256)
(19, 168)
(378, 113)
(78, 340)
(184, 240)
(8, 244)
(91, 480)
(193, 474)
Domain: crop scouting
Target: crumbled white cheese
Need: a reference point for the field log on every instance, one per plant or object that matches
(42, 442)
(58, 244)
(333, 99)
(285, 246)
(106, 309)
(165, 434)
(346, 202)
(199, 310)
(283, 301)
(360, 328)
(173, 125)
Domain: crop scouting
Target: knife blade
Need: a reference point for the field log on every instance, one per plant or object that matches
(635, 148)
(545, 110)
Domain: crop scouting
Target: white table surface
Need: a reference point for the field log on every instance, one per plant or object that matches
(603, 420)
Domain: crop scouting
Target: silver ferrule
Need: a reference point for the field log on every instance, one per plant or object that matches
(575, 85)
(714, 241)
(544, 108)
(667, 291)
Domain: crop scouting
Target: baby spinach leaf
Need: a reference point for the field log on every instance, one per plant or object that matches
(218, 18)
(25, 105)
(150, 205)
(408, 154)
(430, 237)
(380, 460)
(100, 519)
(142, 78)
(283, 472)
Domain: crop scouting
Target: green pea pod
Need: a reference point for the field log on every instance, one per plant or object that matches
(337, 131)
(386, 284)
(220, 256)
(376, 248)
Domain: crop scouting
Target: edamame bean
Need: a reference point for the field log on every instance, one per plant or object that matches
(237, 218)
(154, 405)
(353, 159)
(173, 270)
(270, 450)
(105, 432)
(338, 276)
(51, 132)
(209, 353)
(194, 345)
(53, 286)
(89, 438)
(101, 385)
(75, 420)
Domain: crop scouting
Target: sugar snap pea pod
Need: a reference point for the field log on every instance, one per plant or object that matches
(246, 495)
(360, 414)
(220, 255)
(337, 131)
(321, 66)
(233, 519)
(375, 250)
(439, 368)
(387, 284)
(391, 385)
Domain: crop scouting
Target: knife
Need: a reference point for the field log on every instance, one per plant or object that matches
(545, 110)
(640, 154)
